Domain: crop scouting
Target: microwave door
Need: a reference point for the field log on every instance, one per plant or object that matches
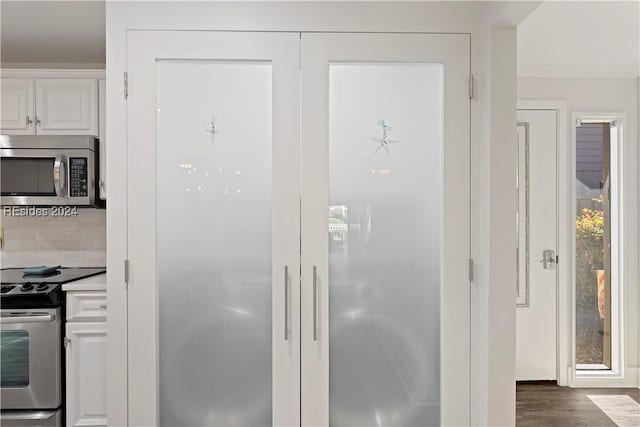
(33, 177)
(47, 177)
(27, 176)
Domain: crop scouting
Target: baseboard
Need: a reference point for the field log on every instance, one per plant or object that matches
(537, 382)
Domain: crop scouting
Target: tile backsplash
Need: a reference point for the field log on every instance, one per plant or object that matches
(73, 241)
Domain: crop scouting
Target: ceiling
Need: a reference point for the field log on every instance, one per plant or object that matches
(52, 32)
(600, 38)
(558, 38)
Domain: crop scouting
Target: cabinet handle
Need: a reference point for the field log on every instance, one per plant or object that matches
(38, 121)
(315, 303)
(28, 121)
(104, 306)
(286, 302)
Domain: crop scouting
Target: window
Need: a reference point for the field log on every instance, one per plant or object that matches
(596, 231)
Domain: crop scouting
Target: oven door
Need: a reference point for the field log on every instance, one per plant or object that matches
(30, 358)
(47, 177)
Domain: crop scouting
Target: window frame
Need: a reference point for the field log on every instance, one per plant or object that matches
(594, 377)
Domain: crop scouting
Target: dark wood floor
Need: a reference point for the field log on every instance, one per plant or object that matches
(549, 405)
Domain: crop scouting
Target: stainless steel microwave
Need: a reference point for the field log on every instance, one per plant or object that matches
(49, 170)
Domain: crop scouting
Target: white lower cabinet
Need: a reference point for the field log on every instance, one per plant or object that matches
(86, 370)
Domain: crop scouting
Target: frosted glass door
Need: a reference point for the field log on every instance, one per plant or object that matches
(214, 226)
(214, 243)
(384, 262)
(385, 234)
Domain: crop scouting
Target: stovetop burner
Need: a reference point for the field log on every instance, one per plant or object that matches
(19, 290)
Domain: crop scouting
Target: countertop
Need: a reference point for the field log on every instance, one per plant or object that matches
(93, 283)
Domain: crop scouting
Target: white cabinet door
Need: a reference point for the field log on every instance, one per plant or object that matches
(17, 114)
(86, 366)
(67, 106)
(213, 120)
(385, 229)
(102, 134)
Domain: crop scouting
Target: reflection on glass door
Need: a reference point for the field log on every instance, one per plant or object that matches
(385, 222)
(214, 243)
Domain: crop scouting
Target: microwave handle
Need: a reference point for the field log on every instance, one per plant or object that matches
(59, 175)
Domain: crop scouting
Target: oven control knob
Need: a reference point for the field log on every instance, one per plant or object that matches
(42, 286)
(26, 287)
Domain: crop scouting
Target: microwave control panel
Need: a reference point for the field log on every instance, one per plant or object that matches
(78, 186)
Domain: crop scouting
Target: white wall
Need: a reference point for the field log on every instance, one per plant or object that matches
(581, 38)
(503, 238)
(493, 120)
(606, 95)
(70, 241)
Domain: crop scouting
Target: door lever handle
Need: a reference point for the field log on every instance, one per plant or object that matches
(548, 259)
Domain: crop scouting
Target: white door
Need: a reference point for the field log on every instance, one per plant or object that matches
(537, 230)
(67, 106)
(17, 113)
(86, 381)
(222, 328)
(214, 228)
(385, 229)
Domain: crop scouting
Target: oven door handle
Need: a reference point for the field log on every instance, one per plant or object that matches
(38, 318)
(59, 175)
(28, 415)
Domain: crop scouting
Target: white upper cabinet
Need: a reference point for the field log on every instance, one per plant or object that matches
(67, 106)
(49, 106)
(18, 112)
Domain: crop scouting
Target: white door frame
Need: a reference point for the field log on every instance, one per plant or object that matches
(491, 133)
(564, 299)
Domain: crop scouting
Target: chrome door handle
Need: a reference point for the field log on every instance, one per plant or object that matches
(315, 303)
(59, 177)
(548, 259)
(28, 121)
(286, 302)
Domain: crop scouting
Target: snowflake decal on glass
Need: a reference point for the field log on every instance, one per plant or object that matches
(384, 141)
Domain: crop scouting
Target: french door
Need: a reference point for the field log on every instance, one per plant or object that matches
(298, 229)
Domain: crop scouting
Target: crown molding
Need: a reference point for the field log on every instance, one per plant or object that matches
(621, 71)
(43, 73)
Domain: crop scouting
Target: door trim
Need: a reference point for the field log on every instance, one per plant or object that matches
(563, 239)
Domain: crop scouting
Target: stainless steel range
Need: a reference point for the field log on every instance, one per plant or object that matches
(31, 356)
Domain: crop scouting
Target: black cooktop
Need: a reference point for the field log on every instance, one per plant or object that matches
(19, 290)
(61, 276)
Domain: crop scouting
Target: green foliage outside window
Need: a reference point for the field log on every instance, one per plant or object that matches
(589, 255)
